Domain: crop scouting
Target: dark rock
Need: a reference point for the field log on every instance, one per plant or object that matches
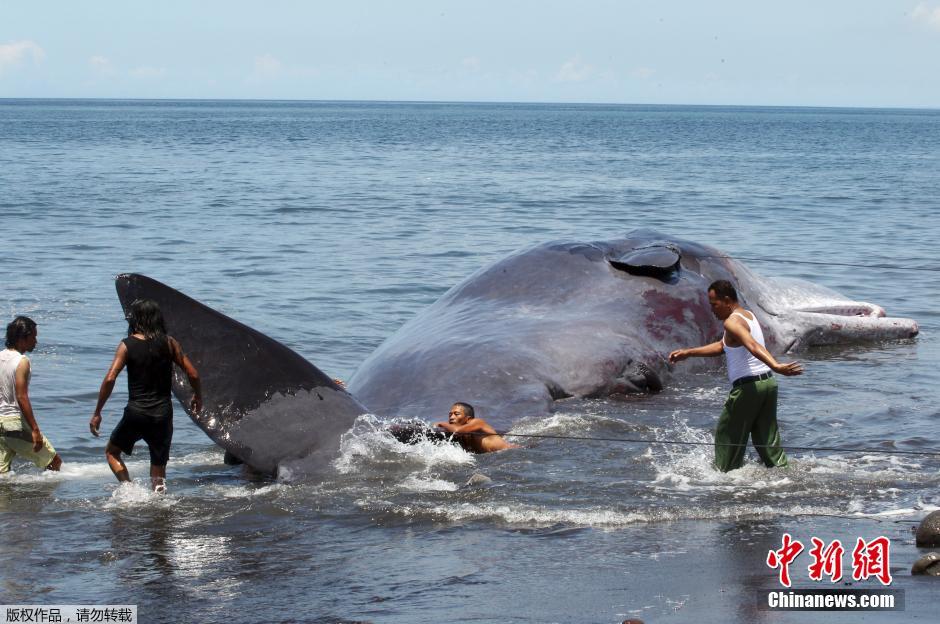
(928, 565)
(478, 479)
(928, 533)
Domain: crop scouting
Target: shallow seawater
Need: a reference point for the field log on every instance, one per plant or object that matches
(328, 225)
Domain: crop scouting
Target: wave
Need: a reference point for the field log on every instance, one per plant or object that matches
(592, 517)
(369, 443)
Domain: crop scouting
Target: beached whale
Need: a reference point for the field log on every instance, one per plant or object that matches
(561, 319)
(567, 319)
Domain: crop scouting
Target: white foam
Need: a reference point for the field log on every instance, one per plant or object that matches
(132, 494)
(915, 512)
(244, 491)
(427, 483)
(125, 495)
(589, 517)
(213, 457)
(685, 467)
(369, 442)
(13, 476)
(556, 424)
(71, 471)
(80, 471)
(873, 478)
(705, 394)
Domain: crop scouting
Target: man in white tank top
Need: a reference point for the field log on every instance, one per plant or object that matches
(751, 407)
(19, 431)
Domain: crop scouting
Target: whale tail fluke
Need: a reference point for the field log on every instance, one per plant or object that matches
(262, 402)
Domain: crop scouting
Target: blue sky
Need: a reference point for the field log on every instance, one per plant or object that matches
(820, 53)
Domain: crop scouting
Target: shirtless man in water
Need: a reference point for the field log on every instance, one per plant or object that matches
(475, 435)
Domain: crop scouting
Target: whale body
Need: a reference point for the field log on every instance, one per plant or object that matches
(561, 319)
(574, 319)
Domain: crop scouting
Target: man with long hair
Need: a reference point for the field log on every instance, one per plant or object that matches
(149, 355)
(19, 431)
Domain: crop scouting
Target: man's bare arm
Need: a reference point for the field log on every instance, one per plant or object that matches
(191, 373)
(710, 350)
(107, 386)
(21, 382)
(475, 425)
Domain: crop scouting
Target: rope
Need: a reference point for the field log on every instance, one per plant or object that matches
(837, 449)
(818, 263)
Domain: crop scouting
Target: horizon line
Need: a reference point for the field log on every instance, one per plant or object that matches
(488, 102)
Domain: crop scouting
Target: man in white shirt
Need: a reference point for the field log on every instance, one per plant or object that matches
(19, 431)
(751, 408)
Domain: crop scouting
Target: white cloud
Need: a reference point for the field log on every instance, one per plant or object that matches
(927, 15)
(148, 73)
(14, 53)
(269, 69)
(472, 63)
(574, 70)
(643, 73)
(101, 65)
(268, 65)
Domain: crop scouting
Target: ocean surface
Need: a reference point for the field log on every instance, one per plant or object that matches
(327, 225)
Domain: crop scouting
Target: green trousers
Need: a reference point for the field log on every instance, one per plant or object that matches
(751, 410)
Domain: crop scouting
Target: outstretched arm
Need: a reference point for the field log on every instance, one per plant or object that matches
(107, 386)
(475, 425)
(710, 350)
(191, 373)
(742, 333)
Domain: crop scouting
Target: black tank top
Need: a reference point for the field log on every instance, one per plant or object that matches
(149, 373)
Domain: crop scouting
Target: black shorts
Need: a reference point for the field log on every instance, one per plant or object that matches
(152, 425)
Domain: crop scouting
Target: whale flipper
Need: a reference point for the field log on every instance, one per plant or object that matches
(262, 402)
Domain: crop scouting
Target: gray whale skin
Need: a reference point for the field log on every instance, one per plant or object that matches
(561, 319)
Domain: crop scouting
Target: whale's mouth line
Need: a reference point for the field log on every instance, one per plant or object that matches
(852, 310)
(846, 323)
